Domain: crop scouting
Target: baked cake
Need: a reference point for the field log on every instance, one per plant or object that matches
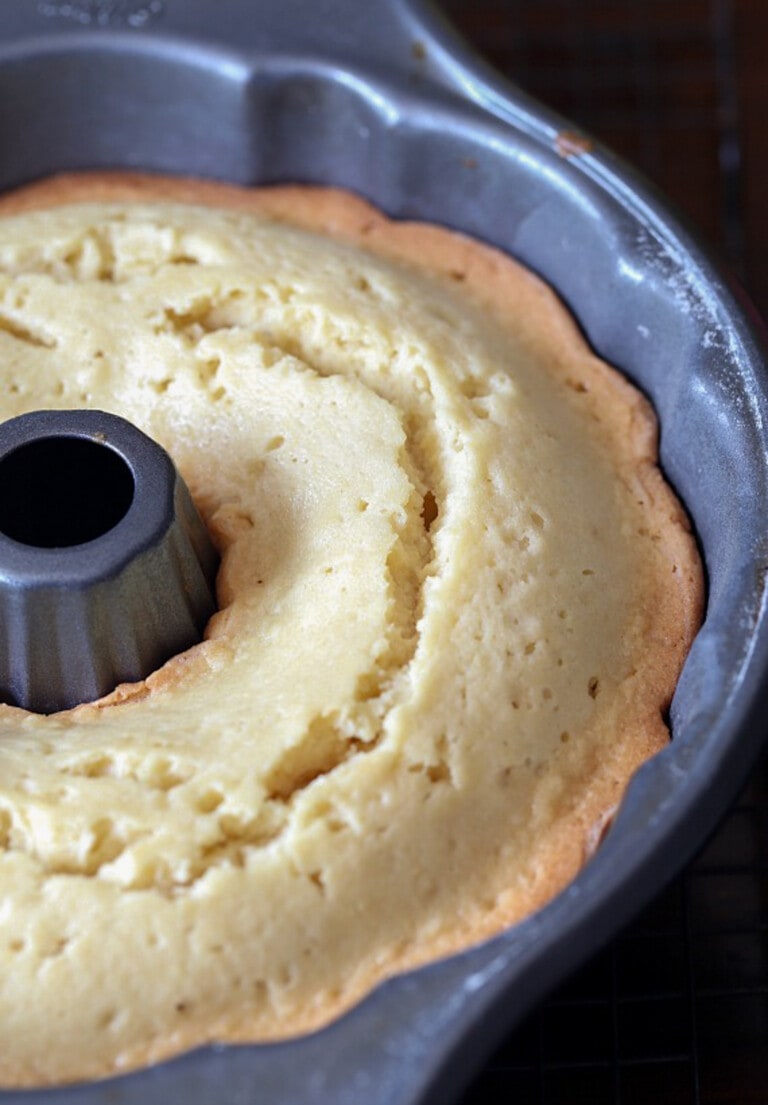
(455, 597)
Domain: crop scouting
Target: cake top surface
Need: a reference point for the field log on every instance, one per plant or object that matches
(454, 598)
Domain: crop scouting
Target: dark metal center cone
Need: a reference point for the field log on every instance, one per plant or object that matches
(106, 568)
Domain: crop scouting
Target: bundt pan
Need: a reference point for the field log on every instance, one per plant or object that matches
(382, 97)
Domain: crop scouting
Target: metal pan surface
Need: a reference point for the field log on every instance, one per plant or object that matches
(383, 98)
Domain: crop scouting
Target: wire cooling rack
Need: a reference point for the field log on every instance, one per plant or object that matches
(675, 1010)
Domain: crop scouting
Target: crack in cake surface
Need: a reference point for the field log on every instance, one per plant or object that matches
(98, 849)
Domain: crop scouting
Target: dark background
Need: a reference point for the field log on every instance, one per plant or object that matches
(675, 1010)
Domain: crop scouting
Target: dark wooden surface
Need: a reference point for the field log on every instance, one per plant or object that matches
(675, 1011)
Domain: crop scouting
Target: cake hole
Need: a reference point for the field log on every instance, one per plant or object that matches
(439, 773)
(429, 510)
(161, 774)
(56, 492)
(58, 948)
(93, 767)
(209, 801)
(106, 845)
(316, 877)
(286, 975)
(6, 823)
(107, 1019)
(473, 388)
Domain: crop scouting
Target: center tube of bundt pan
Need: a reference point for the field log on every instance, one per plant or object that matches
(106, 568)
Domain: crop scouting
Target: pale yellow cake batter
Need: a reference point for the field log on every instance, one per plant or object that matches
(455, 596)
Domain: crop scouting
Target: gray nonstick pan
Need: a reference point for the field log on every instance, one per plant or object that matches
(380, 96)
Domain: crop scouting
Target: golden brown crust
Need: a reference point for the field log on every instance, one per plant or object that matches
(623, 418)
